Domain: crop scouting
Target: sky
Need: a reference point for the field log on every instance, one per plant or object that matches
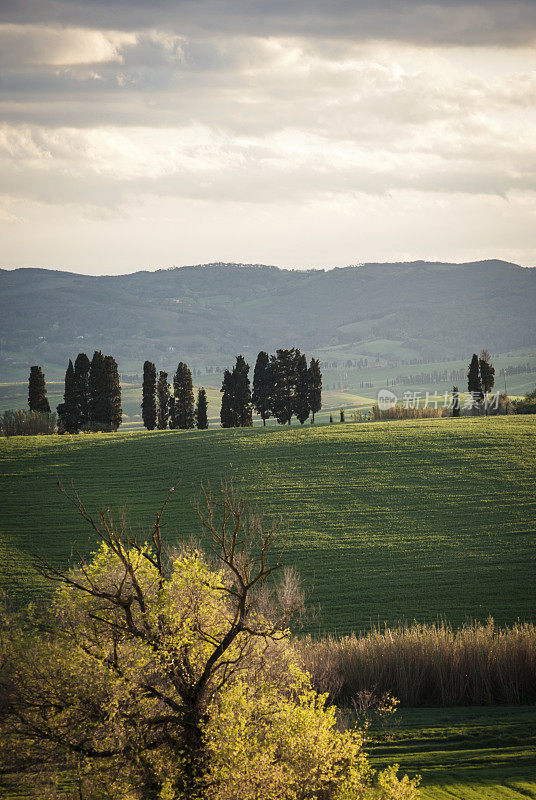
(301, 133)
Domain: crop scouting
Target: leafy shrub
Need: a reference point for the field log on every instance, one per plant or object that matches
(527, 405)
(27, 423)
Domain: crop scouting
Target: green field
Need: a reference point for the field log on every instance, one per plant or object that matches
(384, 521)
(463, 753)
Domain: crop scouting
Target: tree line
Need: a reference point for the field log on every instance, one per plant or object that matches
(283, 386)
(92, 396)
(164, 405)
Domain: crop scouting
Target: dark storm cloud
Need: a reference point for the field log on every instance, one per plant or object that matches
(507, 23)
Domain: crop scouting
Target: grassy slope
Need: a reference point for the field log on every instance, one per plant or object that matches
(384, 521)
(463, 753)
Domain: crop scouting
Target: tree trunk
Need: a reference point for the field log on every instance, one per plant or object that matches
(194, 760)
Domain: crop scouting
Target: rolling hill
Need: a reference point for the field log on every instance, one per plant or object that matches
(207, 314)
(384, 521)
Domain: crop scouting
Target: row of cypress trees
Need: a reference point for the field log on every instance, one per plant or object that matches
(283, 386)
(161, 406)
(92, 398)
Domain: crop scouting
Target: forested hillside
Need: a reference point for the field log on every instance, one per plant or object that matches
(209, 313)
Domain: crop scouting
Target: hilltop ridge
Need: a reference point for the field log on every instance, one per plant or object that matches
(207, 313)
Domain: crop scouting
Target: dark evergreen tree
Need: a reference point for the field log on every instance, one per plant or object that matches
(227, 416)
(97, 390)
(474, 383)
(456, 408)
(283, 367)
(315, 387)
(148, 403)
(201, 410)
(82, 366)
(242, 394)
(114, 412)
(68, 411)
(301, 395)
(162, 401)
(262, 386)
(183, 390)
(104, 400)
(342, 414)
(37, 391)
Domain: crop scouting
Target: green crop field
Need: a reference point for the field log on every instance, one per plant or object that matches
(384, 521)
(463, 753)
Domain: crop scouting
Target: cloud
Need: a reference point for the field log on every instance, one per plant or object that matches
(509, 23)
(107, 167)
(22, 45)
(110, 107)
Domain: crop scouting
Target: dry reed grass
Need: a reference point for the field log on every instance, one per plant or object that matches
(429, 665)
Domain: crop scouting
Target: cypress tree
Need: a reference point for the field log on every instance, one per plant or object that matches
(301, 396)
(227, 417)
(201, 416)
(114, 412)
(315, 387)
(97, 389)
(283, 367)
(162, 401)
(148, 403)
(184, 416)
(456, 409)
(82, 366)
(474, 383)
(262, 386)
(37, 391)
(68, 412)
(104, 389)
(242, 394)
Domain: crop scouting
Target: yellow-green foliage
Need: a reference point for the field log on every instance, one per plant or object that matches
(281, 746)
(103, 694)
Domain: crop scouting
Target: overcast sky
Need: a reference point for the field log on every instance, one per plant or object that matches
(138, 135)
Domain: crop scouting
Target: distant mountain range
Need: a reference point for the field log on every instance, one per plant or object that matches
(207, 314)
